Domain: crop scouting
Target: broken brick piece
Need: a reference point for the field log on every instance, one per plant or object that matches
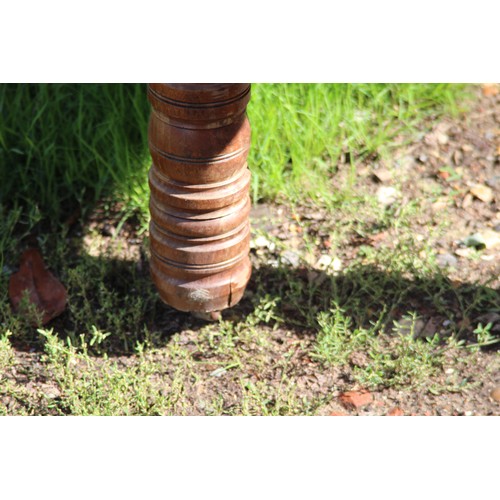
(396, 412)
(355, 399)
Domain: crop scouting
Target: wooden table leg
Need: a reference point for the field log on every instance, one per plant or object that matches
(199, 137)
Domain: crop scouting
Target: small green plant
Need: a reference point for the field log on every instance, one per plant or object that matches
(485, 337)
(6, 351)
(336, 339)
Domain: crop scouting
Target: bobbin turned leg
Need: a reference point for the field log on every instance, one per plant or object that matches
(199, 137)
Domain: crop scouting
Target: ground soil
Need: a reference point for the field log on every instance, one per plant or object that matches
(470, 147)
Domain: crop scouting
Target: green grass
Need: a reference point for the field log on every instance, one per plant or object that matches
(301, 130)
(65, 146)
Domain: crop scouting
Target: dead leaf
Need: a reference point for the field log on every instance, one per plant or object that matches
(39, 285)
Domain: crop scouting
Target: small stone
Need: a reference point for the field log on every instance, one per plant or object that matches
(446, 260)
(327, 263)
(423, 158)
(467, 148)
(449, 371)
(486, 239)
(355, 399)
(488, 258)
(483, 193)
(290, 258)
(262, 242)
(469, 413)
(495, 394)
(387, 195)
(474, 241)
(464, 252)
(52, 392)
(442, 138)
(383, 174)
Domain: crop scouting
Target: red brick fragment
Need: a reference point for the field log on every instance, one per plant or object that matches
(490, 89)
(355, 399)
(396, 412)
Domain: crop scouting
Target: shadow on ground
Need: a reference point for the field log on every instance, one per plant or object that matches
(117, 297)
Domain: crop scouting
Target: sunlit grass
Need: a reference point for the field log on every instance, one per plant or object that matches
(64, 146)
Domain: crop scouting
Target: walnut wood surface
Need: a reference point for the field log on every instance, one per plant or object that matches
(199, 137)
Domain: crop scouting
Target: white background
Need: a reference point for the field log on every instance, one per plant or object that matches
(258, 41)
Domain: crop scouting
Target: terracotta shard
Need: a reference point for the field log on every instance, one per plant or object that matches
(39, 286)
(396, 412)
(355, 399)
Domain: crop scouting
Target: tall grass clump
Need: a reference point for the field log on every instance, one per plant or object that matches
(300, 130)
(63, 145)
(67, 145)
